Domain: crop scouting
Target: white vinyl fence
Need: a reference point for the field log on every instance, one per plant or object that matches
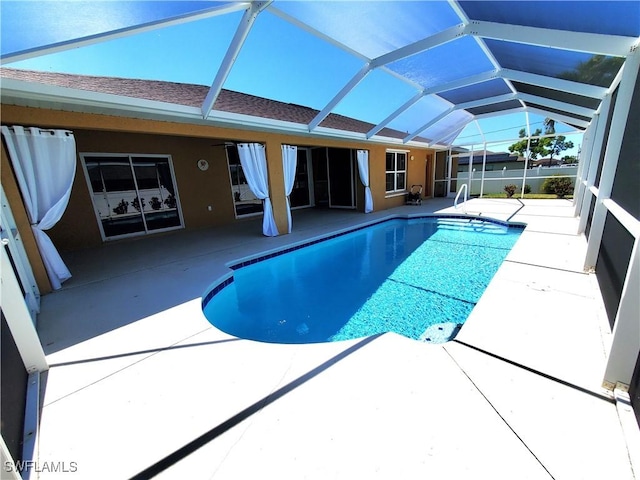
(495, 181)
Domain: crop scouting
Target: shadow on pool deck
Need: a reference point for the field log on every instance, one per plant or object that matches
(138, 372)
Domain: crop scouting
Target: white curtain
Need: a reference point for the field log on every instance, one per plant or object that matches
(44, 162)
(363, 169)
(289, 161)
(254, 165)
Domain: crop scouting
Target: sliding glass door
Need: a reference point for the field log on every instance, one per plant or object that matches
(132, 194)
(340, 163)
(302, 192)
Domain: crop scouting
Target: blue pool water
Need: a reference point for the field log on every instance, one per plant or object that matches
(417, 277)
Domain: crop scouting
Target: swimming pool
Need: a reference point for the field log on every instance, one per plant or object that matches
(418, 277)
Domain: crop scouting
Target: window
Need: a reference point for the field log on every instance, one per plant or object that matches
(245, 202)
(132, 194)
(396, 171)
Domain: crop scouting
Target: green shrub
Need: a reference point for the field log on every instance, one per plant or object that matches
(558, 185)
(527, 189)
(510, 189)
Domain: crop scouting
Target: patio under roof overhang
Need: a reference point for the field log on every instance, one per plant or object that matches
(427, 68)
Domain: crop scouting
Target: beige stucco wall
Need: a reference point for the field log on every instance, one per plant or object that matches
(186, 144)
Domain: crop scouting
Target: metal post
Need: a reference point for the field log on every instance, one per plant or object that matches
(484, 166)
(578, 185)
(484, 158)
(614, 144)
(583, 167)
(526, 158)
(449, 162)
(594, 159)
(9, 232)
(470, 170)
(626, 330)
(18, 318)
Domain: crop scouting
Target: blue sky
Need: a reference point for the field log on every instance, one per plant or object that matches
(192, 52)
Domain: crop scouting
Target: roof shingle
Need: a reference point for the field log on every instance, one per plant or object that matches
(193, 96)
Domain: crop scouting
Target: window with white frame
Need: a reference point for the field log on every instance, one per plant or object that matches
(132, 194)
(396, 171)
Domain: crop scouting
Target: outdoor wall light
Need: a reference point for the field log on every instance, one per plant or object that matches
(203, 164)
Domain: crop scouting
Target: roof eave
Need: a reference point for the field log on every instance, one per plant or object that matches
(39, 95)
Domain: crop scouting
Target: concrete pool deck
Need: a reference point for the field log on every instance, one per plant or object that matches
(141, 383)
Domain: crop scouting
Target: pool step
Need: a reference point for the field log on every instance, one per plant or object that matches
(473, 224)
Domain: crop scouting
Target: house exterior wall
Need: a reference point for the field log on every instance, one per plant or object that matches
(186, 144)
(416, 172)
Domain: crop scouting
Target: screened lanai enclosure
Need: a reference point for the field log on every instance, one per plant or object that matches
(430, 69)
(441, 79)
(463, 79)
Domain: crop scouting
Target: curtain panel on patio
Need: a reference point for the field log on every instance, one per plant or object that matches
(289, 162)
(254, 165)
(44, 162)
(363, 169)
